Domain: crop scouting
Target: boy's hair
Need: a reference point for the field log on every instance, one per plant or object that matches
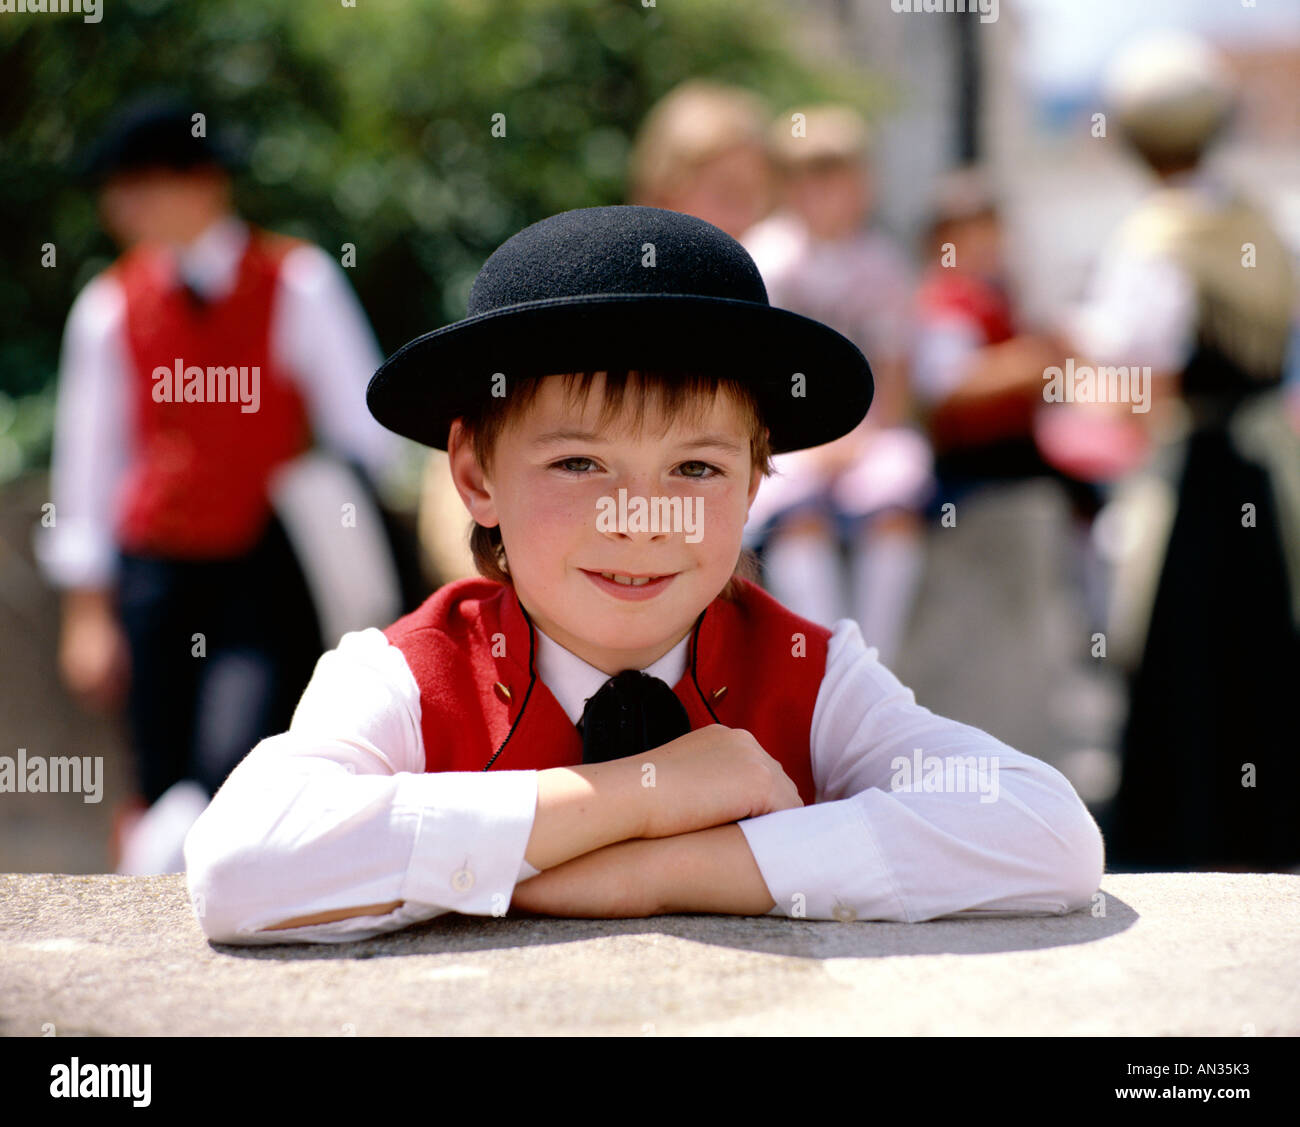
(834, 136)
(961, 195)
(679, 392)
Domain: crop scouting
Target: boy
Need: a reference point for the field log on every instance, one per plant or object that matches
(172, 509)
(674, 740)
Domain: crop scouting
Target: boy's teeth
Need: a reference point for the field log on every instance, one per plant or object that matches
(626, 580)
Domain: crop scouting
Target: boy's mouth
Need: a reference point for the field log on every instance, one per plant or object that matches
(628, 585)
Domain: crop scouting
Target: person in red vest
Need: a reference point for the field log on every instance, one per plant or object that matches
(1010, 521)
(197, 372)
(978, 373)
(613, 719)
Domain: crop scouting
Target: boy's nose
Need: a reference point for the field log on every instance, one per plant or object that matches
(635, 503)
(642, 534)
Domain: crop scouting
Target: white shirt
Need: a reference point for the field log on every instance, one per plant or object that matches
(1141, 306)
(339, 811)
(946, 346)
(319, 335)
(861, 285)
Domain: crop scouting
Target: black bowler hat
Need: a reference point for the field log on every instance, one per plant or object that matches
(154, 131)
(602, 288)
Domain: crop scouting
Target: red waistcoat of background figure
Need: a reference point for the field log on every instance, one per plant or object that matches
(196, 483)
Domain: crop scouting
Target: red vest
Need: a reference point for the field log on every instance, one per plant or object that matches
(196, 481)
(751, 664)
(943, 292)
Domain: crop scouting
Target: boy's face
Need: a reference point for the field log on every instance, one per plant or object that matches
(161, 204)
(978, 245)
(833, 201)
(547, 493)
(729, 190)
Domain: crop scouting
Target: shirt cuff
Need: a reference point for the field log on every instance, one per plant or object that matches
(822, 862)
(470, 841)
(72, 554)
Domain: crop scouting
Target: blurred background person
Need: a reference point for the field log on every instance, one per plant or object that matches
(978, 373)
(838, 527)
(1197, 285)
(702, 150)
(180, 519)
(1007, 550)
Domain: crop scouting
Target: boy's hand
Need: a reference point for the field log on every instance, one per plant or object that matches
(710, 777)
(94, 657)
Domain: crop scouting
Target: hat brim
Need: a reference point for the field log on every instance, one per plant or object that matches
(430, 381)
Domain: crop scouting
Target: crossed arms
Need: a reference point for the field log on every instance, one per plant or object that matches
(610, 846)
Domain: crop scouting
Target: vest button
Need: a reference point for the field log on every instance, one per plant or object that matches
(503, 693)
(462, 880)
(718, 694)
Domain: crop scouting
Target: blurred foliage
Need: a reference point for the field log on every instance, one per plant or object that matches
(366, 124)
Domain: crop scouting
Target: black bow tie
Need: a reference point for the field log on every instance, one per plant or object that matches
(197, 299)
(633, 712)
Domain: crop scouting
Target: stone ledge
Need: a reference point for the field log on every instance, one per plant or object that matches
(1175, 954)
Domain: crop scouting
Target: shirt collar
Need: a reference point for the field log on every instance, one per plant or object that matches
(572, 681)
(210, 263)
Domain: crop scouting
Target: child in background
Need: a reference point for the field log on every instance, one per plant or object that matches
(702, 151)
(820, 256)
(1015, 568)
(175, 513)
(978, 377)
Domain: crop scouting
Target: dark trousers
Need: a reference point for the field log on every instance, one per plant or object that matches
(194, 714)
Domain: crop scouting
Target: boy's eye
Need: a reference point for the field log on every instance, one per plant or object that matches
(566, 463)
(713, 471)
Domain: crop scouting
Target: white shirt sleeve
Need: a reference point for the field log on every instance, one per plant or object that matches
(90, 442)
(874, 851)
(338, 812)
(945, 350)
(323, 339)
(1140, 309)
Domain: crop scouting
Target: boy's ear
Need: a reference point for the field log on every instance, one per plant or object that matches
(467, 475)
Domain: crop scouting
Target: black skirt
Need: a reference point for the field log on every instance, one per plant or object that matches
(1214, 698)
